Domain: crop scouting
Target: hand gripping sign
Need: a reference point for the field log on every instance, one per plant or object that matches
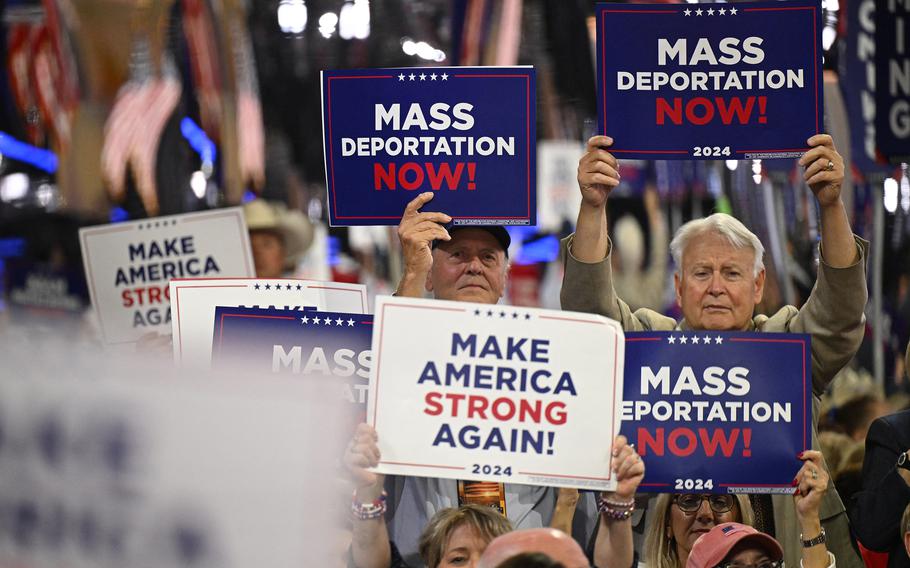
(488, 392)
(718, 412)
(128, 266)
(465, 133)
(732, 82)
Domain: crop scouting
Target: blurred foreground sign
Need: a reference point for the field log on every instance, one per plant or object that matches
(182, 473)
(712, 81)
(487, 392)
(128, 266)
(195, 301)
(465, 133)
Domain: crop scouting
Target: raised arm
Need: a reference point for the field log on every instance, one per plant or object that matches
(613, 547)
(812, 482)
(824, 173)
(417, 231)
(370, 546)
(598, 174)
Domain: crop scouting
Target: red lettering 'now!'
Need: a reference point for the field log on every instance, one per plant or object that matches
(412, 175)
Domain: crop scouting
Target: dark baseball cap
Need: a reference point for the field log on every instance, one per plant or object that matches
(498, 231)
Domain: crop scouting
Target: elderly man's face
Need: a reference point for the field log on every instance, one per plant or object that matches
(715, 286)
(469, 268)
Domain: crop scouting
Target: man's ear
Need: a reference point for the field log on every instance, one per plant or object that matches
(677, 284)
(505, 279)
(759, 286)
(428, 284)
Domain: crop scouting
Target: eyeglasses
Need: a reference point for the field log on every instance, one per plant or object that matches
(691, 502)
(763, 564)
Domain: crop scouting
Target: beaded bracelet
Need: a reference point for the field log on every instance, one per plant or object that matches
(616, 510)
(368, 511)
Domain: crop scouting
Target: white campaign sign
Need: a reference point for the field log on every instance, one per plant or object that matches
(128, 265)
(497, 393)
(194, 302)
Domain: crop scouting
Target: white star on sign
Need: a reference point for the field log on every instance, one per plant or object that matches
(327, 321)
(316, 321)
(732, 11)
(698, 12)
(401, 77)
(687, 12)
(718, 340)
(350, 323)
(683, 340)
(304, 319)
(411, 76)
(445, 76)
(710, 11)
(722, 11)
(695, 339)
(423, 76)
(433, 77)
(671, 340)
(339, 321)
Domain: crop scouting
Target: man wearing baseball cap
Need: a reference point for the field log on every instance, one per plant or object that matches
(463, 264)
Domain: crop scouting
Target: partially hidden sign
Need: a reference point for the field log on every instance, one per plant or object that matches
(718, 412)
(195, 302)
(488, 392)
(299, 343)
(128, 266)
(465, 133)
(710, 81)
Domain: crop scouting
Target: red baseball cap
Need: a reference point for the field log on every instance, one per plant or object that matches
(712, 547)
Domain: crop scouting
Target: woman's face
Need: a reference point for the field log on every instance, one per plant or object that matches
(463, 549)
(687, 527)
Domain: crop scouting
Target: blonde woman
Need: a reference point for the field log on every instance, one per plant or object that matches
(680, 518)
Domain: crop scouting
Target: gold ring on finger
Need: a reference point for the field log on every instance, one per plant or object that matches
(830, 166)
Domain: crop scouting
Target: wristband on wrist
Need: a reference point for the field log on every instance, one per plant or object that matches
(368, 511)
(616, 510)
(820, 539)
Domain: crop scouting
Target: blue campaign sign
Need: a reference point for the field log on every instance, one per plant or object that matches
(465, 133)
(892, 79)
(298, 342)
(711, 81)
(718, 412)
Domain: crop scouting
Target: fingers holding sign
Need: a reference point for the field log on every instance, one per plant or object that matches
(362, 452)
(811, 483)
(824, 169)
(417, 231)
(629, 468)
(598, 172)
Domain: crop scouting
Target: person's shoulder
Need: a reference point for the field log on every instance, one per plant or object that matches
(899, 421)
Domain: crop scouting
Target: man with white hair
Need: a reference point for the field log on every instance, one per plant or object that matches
(720, 278)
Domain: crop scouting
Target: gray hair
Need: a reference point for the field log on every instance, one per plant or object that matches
(724, 225)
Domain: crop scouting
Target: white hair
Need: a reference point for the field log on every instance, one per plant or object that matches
(721, 224)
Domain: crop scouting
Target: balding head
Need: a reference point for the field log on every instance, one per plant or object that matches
(556, 544)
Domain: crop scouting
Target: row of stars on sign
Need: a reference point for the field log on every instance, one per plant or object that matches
(710, 11)
(423, 76)
(325, 321)
(258, 286)
(157, 224)
(501, 314)
(695, 339)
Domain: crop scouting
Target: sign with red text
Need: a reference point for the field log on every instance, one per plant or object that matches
(465, 133)
(739, 81)
(128, 266)
(489, 392)
(196, 300)
(718, 412)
